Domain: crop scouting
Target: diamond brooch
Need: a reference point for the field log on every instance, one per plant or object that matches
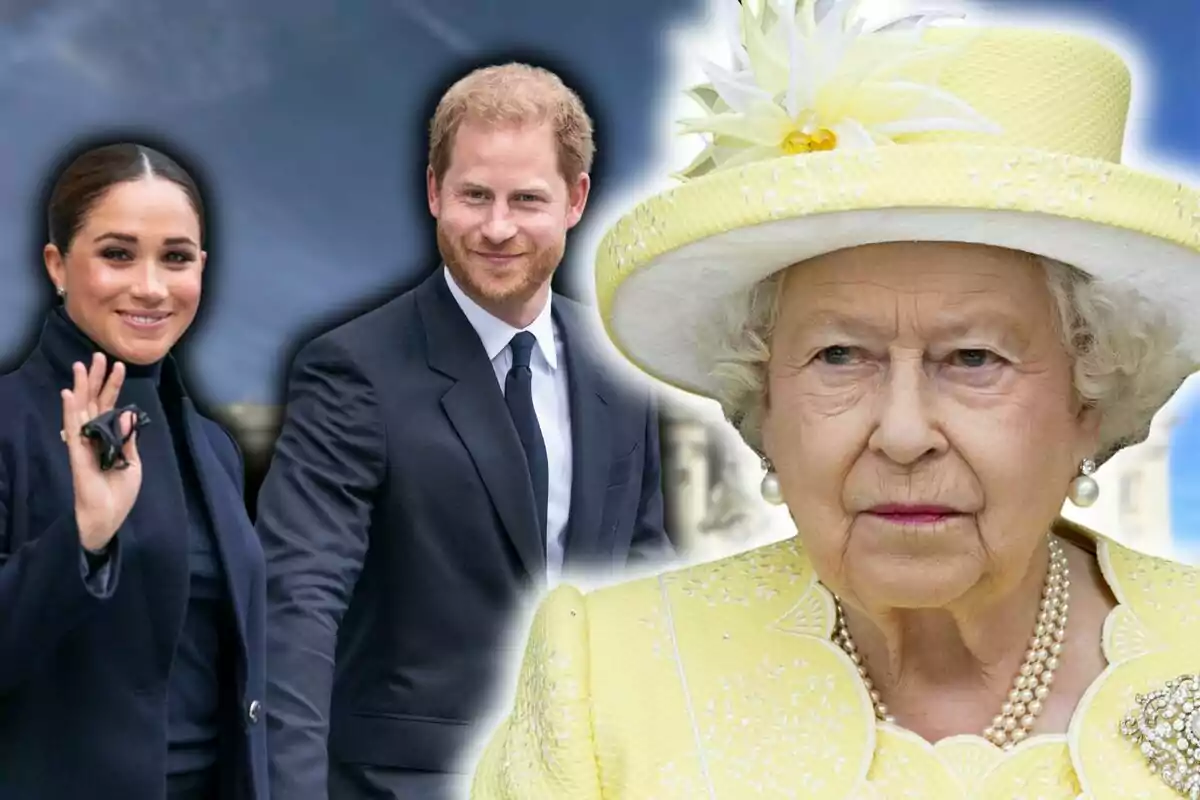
(1166, 728)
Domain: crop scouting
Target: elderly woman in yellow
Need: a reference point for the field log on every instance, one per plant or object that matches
(913, 271)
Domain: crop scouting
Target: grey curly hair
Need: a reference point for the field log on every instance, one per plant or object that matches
(1125, 351)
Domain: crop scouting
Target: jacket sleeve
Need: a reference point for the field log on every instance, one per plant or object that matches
(544, 749)
(46, 589)
(314, 512)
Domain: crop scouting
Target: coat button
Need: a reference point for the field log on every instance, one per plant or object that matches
(254, 711)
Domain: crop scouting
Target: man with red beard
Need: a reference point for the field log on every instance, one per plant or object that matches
(441, 456)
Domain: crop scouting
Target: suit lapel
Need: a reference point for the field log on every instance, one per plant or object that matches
(229, 523)
(158, 523)
(474, 404)
(591, 447)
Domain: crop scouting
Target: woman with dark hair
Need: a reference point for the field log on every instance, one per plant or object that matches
(131, 580)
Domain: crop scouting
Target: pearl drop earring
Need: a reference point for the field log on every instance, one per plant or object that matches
(1084, 490)
(771, 491)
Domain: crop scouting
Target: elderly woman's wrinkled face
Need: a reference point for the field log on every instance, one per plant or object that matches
(921, 419)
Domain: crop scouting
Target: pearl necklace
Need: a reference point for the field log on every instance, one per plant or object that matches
(1019, 713)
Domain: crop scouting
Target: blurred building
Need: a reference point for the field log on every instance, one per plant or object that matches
(1143, 497)
(1134, 504)
(711, 489)
(255, 427)
(1183, 477)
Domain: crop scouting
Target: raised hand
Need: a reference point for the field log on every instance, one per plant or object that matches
(103, 499)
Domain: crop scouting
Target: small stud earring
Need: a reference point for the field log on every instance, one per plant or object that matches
(60, 291)
(770, 488)
(1084, 490)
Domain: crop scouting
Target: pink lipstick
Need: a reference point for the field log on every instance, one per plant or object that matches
(918, 514)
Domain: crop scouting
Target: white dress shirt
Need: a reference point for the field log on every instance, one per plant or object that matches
(551, 401)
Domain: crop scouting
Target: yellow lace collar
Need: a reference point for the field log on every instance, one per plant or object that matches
(1152, 636)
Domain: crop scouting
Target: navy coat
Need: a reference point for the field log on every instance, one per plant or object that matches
(83, 673)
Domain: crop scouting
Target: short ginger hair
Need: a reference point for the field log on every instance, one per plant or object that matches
(514, 94)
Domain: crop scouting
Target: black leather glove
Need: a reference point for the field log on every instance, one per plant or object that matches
(104, 432)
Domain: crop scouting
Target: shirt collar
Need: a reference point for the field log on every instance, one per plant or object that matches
(496, 334)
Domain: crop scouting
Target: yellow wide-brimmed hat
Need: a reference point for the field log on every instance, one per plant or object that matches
(823, 136)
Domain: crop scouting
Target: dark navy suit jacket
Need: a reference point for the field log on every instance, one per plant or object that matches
(83, 667)
(400, 531)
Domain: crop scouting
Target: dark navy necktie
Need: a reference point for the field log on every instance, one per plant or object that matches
(518, 394)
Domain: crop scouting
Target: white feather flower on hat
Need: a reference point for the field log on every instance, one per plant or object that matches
(808, 76)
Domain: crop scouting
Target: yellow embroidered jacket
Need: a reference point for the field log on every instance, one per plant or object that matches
(720, 681)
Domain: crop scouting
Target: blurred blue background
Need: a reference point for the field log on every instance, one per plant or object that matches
(306, 119)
